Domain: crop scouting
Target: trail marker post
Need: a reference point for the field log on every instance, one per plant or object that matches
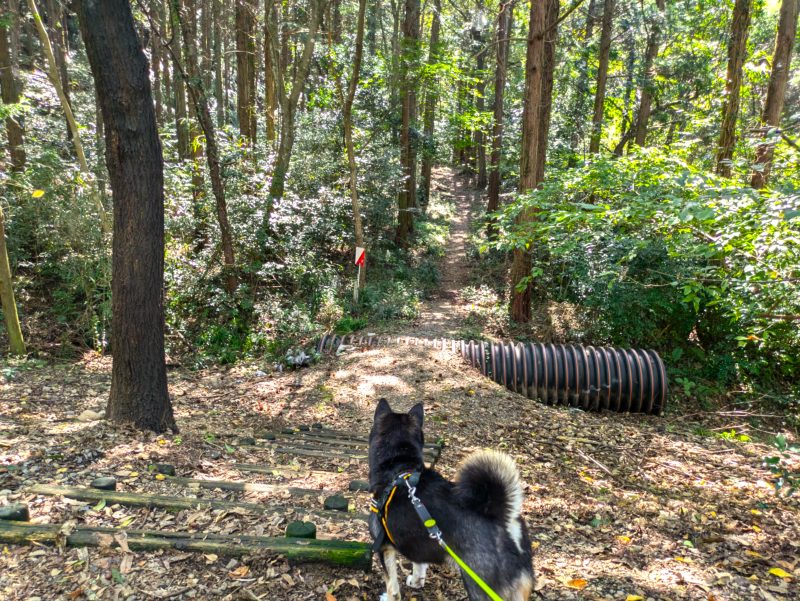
(361, 254)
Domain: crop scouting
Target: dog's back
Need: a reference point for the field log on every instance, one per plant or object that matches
(478, 514)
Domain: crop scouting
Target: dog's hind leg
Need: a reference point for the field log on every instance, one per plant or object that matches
(417, 577)
(390, 575)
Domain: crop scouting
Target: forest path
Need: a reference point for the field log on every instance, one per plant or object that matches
(442, 316)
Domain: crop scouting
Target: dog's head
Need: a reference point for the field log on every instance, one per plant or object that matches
(396, 440)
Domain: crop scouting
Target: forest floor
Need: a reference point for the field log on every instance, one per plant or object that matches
(619, 507)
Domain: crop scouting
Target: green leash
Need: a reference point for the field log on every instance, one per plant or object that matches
(436, 534)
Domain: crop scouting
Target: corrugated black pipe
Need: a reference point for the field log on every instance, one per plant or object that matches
(592, 378)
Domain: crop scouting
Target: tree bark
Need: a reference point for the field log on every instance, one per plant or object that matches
(407, 198)
(219, 99)
(347, 118)
(431, 98)
(646, 96)
(135, 166)
(15, 340)
(181, 111)
(504, 22)
(531, 123)
(199, 98)
(9, 91)
(155, 67)
(581, 98)
(737, 53)
(206, 41)
(289, 107)
(270, 99)
(776, 92)
(54, 14)
(246, 68)
(602, 76)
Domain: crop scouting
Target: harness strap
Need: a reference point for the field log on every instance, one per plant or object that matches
(411, 479)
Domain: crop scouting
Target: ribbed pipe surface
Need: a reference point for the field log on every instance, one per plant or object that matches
(592, 378)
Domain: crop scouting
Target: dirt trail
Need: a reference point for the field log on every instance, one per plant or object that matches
(443, 315)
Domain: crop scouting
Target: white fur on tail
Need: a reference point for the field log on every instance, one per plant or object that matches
(504, 468)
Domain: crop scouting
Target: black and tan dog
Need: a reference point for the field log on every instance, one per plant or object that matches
(478, 514)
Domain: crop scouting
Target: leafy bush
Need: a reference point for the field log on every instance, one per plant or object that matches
(657, 252)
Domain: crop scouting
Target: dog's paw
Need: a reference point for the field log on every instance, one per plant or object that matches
(414, 581)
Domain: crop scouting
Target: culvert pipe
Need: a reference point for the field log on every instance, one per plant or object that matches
(588, 377)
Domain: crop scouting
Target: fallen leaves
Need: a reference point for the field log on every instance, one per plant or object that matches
(780, 573)
(578, 583)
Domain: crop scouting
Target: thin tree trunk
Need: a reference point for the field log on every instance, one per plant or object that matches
(133, 154)
(581, 98)
(15, 339)
(646, 102)
(200, 102)
(270, 100)
(431, 98)
(602, 76)
(55, 80)
(289, 107)
(57, 42)
(737, 53)
(504, 24)
(531, 123)
(181, 111)
(776, 92)
(408, 193)
(246, 69)
(9, 91)
(155, 67)
(218, 61)
(347, 118)
(206, 39)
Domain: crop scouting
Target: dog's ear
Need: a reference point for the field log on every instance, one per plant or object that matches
(418, 413)
(382, 409)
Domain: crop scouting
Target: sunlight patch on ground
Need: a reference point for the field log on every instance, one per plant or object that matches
(375, 385)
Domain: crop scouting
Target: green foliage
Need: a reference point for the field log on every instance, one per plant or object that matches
(659, 253)
(785, 479)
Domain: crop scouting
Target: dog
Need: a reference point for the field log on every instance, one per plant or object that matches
(478, 514)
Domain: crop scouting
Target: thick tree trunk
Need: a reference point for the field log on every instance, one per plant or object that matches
(737, 53)
(646, 101)
(431, 98)
(347, 118)
(199, 98)
(289, 107)
(602, 76)
(206, 40)
(407, 198)
(246, 68)
(776, 92)
(504, 23)
(531, 124)
(133, 155)
(15, 340)
(9, 89)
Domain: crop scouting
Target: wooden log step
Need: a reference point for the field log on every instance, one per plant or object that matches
(131, 499)
(289, 471)
(249, 487)
(299, 550)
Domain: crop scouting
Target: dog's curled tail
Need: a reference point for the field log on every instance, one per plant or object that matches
(488, 483)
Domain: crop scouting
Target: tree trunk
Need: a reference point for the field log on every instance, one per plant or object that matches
(55, 80)
(181, 110)
(431, 98)
(288, 108)
(602, 76)
(645, 104)
(135, 165)
(15, 340)
(270, 99)
(737, 52)
(246, 68)
(408, 157)
(206, 39)
(199, 98)
(155, 67)
(480, 89)
(57, 41)
(347, 119)
(531, 124)
(504, 23)
(9, 89)
(581, 98)
(776, 92)
(219, 98)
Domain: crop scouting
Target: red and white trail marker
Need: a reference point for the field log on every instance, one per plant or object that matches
(361, 255)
